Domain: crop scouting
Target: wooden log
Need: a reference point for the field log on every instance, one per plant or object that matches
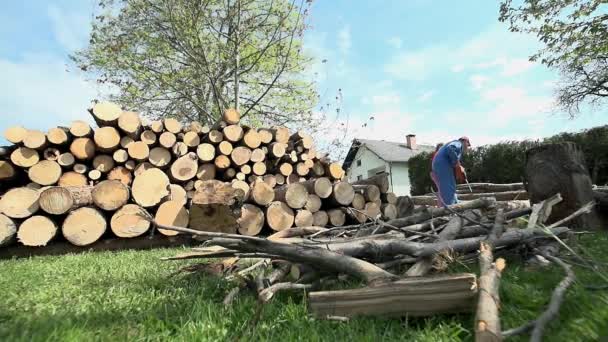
(215, 137)
(286, 169)
(59, 136)
(84, 226)
(280, 134)
(313, 203)
(72, 178)
(277, 149)
(265, 135)
(45, 172)
(409, 297)
(261, 194)
(252, 138)
(271, 180)
(240, 155)
(258, 155)
(294, 195)
(103, 162)
(126, 141)
(106, 113)
(221, 162)
(82, 148)
(129, 221)
(302, 169)
(157, 126)
(560, 168)
(107, 139)
(19, 203)
(206, 152)
(58, 200)
(184, 168)
(179, 149)
(303, 218)
(110, 195)
(388, 197)
(8, 230)
(245, 169)
(120, 156)
(167, 140)
(206, 171)
(372, 209)
(178, 193)
(36, 231)
(487, 321)
(231, 116)
(251, 220)
(489, 187)
(197, 128)
(130, 124)
(342, 194)
(171, 213)
(370, 192)
(320, 218)
(318, 170)
(81, 168)
(240, 184)
(35, 140)
(66, 160)
(7, 171)
(5, 151)
(121, 174)
(358, 202)
(211, 208)
(15, 134)
(259, 168)
(336, 217)
(160, 157)
(279, 216)
(80, 129)
(25, 157)
(225, 148)
(141, 167)
(233, 133)
(381, 181)
(280, 179)
(389, 211)
(321, 187)
(51, 153)
(293, 178)
(334, 171)
(94, 175)
(172, 125)
(191, 139)
(130, 165)
(150, 188)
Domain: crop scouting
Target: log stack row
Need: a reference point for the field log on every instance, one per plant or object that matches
(85, 183)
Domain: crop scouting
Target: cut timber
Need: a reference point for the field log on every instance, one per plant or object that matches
(336, 217)
(370, 192)
(320, 218)
(286, 169)
(129, 221)
(303, 218)
(206, 171)
(372, 209)
(251, 221)
(178, 194)
(157, 126)
(35, 140)
(58, 200)
(487, 321)
(277, 150)
(72, 178)
(110, 195)
(37, 231)
(252, 139)
(279, 216)
(58, 136)
(489, 187)
(318, 169)
(80, 129)
(15, 134)
(454, 293)
(240, 155)
(294, 195)
(279, 179)
(206, 152)
(167, 139)
(172, 213)
(313, 203)
(172, 125)
(215, 137)
(231, 116)
(246, 169)
(265, 135)
(381, 181)
(139, 150)
(148, 137)
(120, 156)
(185, 167)
(106, 113)
(212, 205)
(179, 149)
(150, 188)
(51, 153)
(141, 167)
(239, 184)
(107, 139)
(271, 180)
(160, 157)
(7, 171)
(82, 148)
(334, 171)
(302, 169)
(259, 168)
(221, 162)
(233, 133)
(560, 168)
(258, 155)
(8, 230)
(84, 226)
(342, 194)
(358, 202)
(66, 160)
(45, 172)
(80, 168)
(389, 211)
(197, 128)
(389, 197)
(130, 165)
(130, 124)
(191, 139)
(126, 141)
(225, 148)
(103, 162)
(281, 134)
(262, 193)
(94, 175)
(25, 157)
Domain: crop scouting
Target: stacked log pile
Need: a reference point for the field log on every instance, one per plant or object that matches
(81, 183)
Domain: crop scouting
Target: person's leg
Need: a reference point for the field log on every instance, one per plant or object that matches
(438, 186)
(447, 185)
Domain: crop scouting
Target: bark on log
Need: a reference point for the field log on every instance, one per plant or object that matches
(487, 321)
(59, 200)
(185, 167)
(103, 162)
(489, 187)
(150, 188)
(370, 192)
(342, 194)
(45, 173)
(37, 231)
(84, 226)
(66, 160)
(251, 221)
(51, 153)
(320, 218)
(59, 136)
(82, 148)
(107, 139)
(15, 134)
(35, 140)
(381, 181)
(129, 221)
(106, 113)
(321, 187)
(110, 195)
(160, 157)
(172, 213)
(560, 168)
(72, 179)
(80, 129)
(294, 195)
(25, 157)
(7, 171)
(8, 230)
(279, 216)
(436, 212)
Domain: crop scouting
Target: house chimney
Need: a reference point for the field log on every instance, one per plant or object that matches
(411, 141)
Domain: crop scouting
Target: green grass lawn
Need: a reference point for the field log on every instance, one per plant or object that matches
(130, 296)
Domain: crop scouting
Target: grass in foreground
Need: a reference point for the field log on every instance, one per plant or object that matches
(130, 296)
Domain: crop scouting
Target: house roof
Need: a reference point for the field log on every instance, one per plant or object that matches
(387, 150)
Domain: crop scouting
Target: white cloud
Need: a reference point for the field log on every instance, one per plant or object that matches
(457, 68)
(344, 39)
(395, 42)
(426, 96)
(71, 28)
(478, 81)
(508, 66)
(511, 103)
(382, 100)
(417, 65)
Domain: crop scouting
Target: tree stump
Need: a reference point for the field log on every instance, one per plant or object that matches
(560, 168)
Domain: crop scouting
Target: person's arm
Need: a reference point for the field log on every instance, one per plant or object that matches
(454, 153)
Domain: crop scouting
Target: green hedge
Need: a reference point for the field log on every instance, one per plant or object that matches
(504, 162)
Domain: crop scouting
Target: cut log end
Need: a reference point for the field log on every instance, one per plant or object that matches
(150, 188)
(110, 195)
(45, 173)
(279, 216)
(84, 226)
(251, 221)
(37, 231)
(171, 213)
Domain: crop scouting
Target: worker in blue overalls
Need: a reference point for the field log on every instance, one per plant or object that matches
(447, 170)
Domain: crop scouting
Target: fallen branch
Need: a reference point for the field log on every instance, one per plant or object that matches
(266, 294)
(487, 326)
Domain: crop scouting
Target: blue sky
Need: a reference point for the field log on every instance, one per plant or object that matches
(439, 69)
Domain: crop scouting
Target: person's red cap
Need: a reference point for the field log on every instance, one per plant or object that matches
(466, 139)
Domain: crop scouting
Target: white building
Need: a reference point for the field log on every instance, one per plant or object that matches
(368, 158)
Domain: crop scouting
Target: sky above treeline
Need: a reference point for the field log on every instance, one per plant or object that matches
(438, 69)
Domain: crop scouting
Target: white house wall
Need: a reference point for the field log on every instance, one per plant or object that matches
(399, 180)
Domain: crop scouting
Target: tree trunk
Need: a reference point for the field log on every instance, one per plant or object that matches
(167, 140)
(233, 133)
(334, 171)
(103, 162)
(157, 126)
(294, 195)
(206, 152)
(37, 231)
(259, 168)
(25, 157)
(489, 187)
(150, 188)
(45, 173)
(129, 222)
(130, 124)
(281, 134)
(94, 175)
(321, 187)
(191, 139)
(313, 203)
(251, 221)
(80, 129)
(59, 200)
(286, 169)
(66, 160)
(262, 194)
(212, 205)
(389, 211)
(265, 135)
(252, 139)
(72, 178)
(225, 148)
(320, 218)
(381, 181)
(336, 217)
(120, 156)
(231, 116)
(172, 125)
(19, 202)
(560, 168)
(279, 216)
(487, 321)
(370, 192)
(84, 226)
(35, 140)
